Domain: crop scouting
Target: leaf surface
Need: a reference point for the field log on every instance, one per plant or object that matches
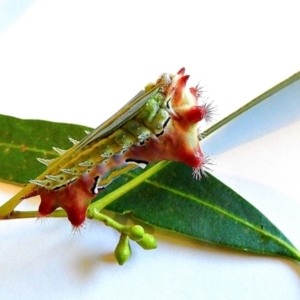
(23, 141)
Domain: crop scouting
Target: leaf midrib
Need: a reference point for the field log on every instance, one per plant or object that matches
(31, 149)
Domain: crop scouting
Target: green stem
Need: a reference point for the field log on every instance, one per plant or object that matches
(33, 214)
(8, 207)
(99, 205)
(106, 220)
(252, 103)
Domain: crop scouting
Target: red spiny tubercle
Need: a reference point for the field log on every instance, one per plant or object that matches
(74, 199)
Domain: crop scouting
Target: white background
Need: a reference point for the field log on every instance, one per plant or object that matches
(79, 61)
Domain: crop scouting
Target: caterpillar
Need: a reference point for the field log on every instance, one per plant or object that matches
(159, 123)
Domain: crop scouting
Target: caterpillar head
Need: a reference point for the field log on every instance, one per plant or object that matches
(181, 136)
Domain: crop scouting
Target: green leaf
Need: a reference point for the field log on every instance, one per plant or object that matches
(22, 141)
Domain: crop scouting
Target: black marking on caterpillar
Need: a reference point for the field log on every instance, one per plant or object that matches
(168, 103)
(59, 187)
(95, 188)
(159, 134)
(141, 163)
(164, 126)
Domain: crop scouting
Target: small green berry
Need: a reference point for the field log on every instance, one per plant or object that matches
(122, 251)
(136, 233)
(148, 242)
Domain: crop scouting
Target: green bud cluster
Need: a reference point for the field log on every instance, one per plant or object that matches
(137, 234)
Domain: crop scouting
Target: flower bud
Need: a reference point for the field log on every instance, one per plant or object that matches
(148, 242)
(122, 251)
(137, 232)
